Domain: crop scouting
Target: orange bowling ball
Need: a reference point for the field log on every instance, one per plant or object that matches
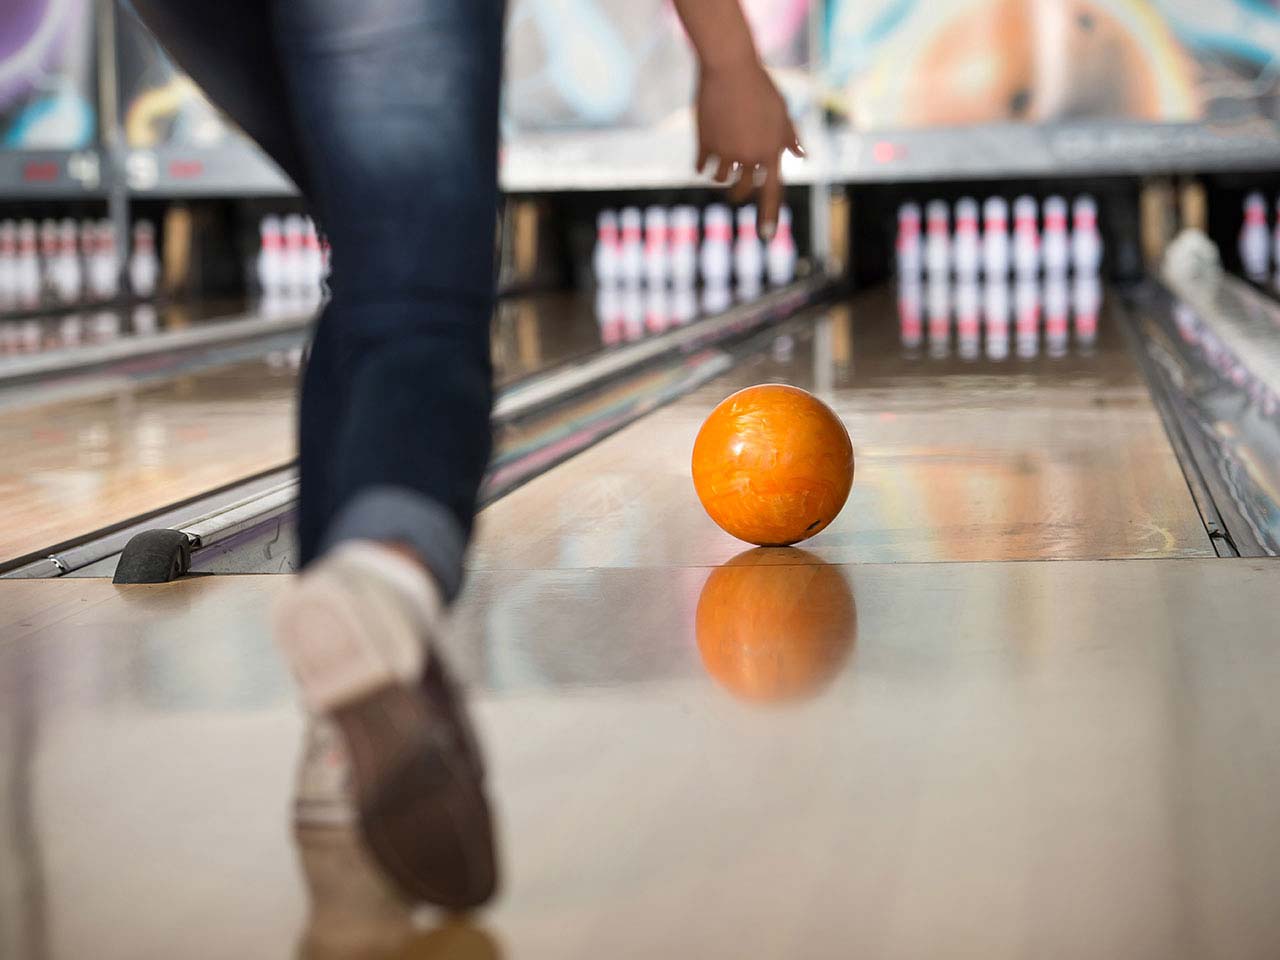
(772, 465)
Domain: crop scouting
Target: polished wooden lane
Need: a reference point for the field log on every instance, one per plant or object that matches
(77, 465)
(98, 453)
(988, 460)
(535, 332)
(997, 760)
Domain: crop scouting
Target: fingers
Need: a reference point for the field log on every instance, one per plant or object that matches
(723, 171)
(770, 199)
(746, 185)
(703, 156)
(793, 142)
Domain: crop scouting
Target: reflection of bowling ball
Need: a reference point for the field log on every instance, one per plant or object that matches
(772, 465)
(773, 631)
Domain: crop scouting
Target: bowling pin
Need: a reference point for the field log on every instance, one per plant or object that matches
(104, 325)
(966, 247)
(1056, 314)
(71, 329)
(293, 259)
(144, 265)
(49, 262)
(1026, 308)
(717, 246)
(107, 259)
(32, 336)
(270, 268)
(748, 258)
(1086, 300)
(89, 269)
(910, 321)
(995, 309)
(908, 242)
(70, 276)
(312, 261)
(938, 309)
(995, 304)
(657, 261)
(1055, 251)
(143, 319)
(780, 257)
(684, 303)
(968, 315)
(605, 258)
(274, 304)
(684, 246)
(937, 249)
(8, 264)
(716, 297)
(632, 311)
(657, 308)
(1086, 240)
(631, 246)
(26, 274)
(1026, 239)
(995, 237)
(609, 313)
(1254, 243)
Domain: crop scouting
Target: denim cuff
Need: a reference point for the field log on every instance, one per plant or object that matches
(406, 516)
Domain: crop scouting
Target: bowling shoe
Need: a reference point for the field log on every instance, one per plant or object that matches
(391, 747)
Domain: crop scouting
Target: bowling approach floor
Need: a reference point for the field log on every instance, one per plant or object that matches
(1010, 704)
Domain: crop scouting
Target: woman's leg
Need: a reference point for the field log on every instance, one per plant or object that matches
(390, 110)
(395, 105)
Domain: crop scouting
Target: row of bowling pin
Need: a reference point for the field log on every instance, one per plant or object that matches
(661, 246)
(992, 305)
(1259, 244)
(64, 263)
(293, 260)
(989, 248)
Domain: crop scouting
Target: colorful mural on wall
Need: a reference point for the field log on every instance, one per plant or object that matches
(925, 63)
(47, 86)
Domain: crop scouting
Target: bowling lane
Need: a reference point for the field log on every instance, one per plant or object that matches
(84, 463)
(972, 452)
(94, 450)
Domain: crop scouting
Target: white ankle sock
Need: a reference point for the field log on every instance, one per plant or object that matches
(361, 617)
(410, 579)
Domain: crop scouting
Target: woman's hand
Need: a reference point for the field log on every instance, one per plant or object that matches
(743, 125)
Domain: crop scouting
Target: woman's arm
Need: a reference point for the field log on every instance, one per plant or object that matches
(742, 119)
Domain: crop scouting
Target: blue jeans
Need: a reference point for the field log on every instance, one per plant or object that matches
(385, 114)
